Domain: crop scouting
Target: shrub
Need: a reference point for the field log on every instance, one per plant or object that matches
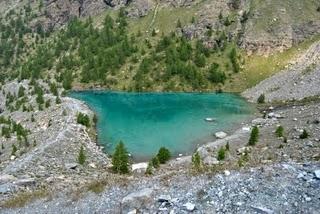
(221, 154)
(227, 146)
(83, 119)
(82, 157)
(196, 161)
(163, 155)
(279, 131)
(254, 136)
(48, 103)
(261, 99)
(304, 134)
(120, 159)
(14, 150)
(155, 162)
(149, 168)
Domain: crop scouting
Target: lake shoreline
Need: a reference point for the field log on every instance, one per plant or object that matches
(196, 143)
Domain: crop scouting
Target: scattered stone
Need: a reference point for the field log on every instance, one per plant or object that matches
(26, 182)
(259, 121)
(246, 129)
(136, 200)
(132, 211)
(227, 172)
(93, 165)
(7, 178)
(262, 210)
(71, 165)
(210, 160)
(139, 167)
(220, 135)
(164, 198)
(317, 173)
(189, 206)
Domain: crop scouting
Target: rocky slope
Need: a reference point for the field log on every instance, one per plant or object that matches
(278, 188)
(297, 82)
(51, 149)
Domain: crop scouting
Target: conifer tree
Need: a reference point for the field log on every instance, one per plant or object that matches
(163, 155)
(254, 136)
(120, 159)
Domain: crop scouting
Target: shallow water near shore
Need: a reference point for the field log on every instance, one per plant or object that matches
(147, 121)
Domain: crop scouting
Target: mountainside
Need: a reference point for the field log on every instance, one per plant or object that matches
(267, 50)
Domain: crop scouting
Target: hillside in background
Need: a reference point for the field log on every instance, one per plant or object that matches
(154, 45)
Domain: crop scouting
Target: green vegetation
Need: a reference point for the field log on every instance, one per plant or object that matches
(243, 158)
(280, 131)
(82, 156)
(196, 161)
(14, 150)
(120, 159)
(221, 154)
(149, 168)
(83, 119)
(304, 134)
(261, 99)
(227, 146)
(254, 136)
(163, 155)
(23, 198)
(155, 162)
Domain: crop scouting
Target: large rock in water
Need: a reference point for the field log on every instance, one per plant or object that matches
(136, 200)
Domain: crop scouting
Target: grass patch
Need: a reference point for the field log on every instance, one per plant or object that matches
(21, 199)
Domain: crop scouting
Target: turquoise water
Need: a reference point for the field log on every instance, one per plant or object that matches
(147, 121)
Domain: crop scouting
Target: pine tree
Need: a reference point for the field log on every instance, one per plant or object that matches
(254, 136)
(221, 154)
(120, 159)
(261, 99)
(82, 157)
(163, 155)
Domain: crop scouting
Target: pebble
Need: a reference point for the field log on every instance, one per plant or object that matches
(189, 206)
(317, 173)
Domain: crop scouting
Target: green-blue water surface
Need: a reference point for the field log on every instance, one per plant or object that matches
(147, 121)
